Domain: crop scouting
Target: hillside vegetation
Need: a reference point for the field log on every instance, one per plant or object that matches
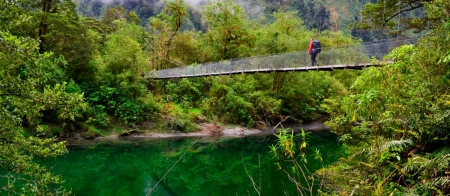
(318, 14)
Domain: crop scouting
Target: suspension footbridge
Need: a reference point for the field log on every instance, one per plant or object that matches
(352, 56)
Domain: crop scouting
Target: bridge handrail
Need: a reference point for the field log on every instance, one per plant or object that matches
(354, 53)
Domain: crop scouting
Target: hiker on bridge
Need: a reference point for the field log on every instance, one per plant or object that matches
(314, 50)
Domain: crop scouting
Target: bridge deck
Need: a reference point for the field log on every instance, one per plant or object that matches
(265, 70)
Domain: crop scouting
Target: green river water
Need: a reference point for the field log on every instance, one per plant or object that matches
(212, 166)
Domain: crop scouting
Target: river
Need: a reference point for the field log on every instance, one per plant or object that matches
(211, 166)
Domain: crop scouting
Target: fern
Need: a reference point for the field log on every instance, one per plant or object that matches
(385, 145)
(395, 144)
(438, 182)
(413, 164)
(431, 169)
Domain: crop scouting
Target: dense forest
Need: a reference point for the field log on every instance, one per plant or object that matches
(75, 69)
(323, 15)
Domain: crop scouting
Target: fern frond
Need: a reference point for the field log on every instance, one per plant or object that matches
(395, 144)
(438, 163)
(413, 164)
(385, 145)
(438, 182)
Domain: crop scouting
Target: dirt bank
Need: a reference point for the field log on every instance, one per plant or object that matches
(211, 130)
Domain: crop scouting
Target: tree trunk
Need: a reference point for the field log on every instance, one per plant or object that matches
(46, 6)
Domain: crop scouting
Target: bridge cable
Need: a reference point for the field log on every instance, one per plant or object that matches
(399, 15)
(384, 9)
(175, 62)
(162, 178)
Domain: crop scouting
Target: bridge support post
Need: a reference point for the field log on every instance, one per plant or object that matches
(243, 66)
(231, 66)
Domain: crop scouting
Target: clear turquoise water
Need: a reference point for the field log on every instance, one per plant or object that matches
(210, 167)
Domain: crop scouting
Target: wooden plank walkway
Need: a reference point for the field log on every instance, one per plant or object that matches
(265, 70)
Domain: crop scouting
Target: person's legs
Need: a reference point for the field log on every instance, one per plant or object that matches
(313, 58)
(317, 63)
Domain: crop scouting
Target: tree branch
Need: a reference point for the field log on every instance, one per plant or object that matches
(412, 7)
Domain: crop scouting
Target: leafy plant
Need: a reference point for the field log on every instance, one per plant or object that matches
(23, 99)
(291, 159)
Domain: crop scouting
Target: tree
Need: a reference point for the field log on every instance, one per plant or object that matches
(119, 88)
(133, 18)
(56, 24)
(285, 34)
(123, 52)
(112, 14)
(27, 89)
(65, 36)
(388, 14)
(227, 31)
(35, 19)
(165, 27)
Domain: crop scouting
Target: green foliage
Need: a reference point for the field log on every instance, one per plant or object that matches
(291, 154)
(186, 92)
(398, 17)
(133, 18)
(96, 31)
(232, 107)
(244, 99)
(408, 102)
(113, 14)
(172, 16)
(317, 14)
(166, 26)
(177, 119)
(97, 115)
(188, 50)
(119, 89)
(303, 93)
(285, 34)
(228, 35)
(125, 101)
(27, 90)
(123, 52)
(266, 107)
(65, 36)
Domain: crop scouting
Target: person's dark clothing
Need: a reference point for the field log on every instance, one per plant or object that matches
(313, 58)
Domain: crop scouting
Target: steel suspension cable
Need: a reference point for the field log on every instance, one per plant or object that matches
(181, 157)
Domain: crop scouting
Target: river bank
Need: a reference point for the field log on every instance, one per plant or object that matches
(207, 130)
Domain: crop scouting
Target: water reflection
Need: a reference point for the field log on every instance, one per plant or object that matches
(211, 166)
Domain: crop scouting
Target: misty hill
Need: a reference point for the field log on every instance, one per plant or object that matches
(316, 14)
